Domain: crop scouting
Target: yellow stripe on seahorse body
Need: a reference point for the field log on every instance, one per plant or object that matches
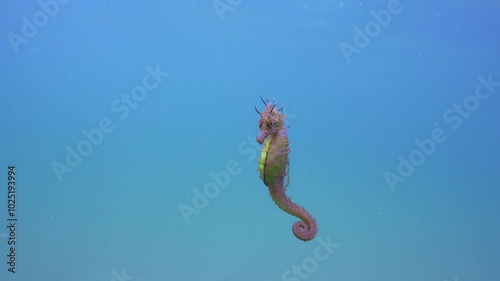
(268, 169)
(262, 159)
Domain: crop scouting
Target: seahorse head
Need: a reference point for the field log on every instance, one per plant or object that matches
(271, 120)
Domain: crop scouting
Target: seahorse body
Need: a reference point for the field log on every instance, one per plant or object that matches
(273, 168)
(273, 161)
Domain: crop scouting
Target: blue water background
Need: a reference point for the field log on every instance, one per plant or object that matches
(120, 208)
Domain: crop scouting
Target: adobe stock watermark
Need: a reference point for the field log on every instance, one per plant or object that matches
(362, 38)
(310, 264)
(221, 179)
(454, 117)
(29, 29)
(121, 276)
(122, 108)
(221, 7)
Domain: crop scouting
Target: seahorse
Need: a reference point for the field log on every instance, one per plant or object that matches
(274, 168)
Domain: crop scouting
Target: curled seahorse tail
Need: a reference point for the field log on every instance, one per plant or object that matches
(305, 229)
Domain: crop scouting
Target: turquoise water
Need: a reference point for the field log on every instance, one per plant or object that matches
(132, 131)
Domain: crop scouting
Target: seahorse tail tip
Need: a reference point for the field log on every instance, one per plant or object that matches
(305, 231)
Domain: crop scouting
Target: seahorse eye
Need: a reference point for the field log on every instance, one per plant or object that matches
(269, 125)
(261, 124)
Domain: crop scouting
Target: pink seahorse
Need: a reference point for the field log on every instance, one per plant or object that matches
(274, 169)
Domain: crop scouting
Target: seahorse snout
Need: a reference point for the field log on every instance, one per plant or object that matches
(262, 136)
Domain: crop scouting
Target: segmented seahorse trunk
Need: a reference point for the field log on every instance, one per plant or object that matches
(273, 168)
